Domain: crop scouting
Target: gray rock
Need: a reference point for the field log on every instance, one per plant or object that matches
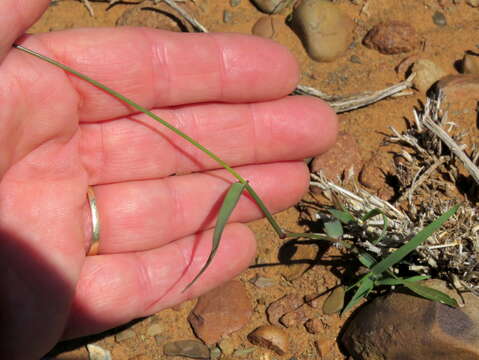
(439, 19)
(325, 31)
(189, 348)
(227, 16)
(234, 3)
(401, 326)
(270, 6)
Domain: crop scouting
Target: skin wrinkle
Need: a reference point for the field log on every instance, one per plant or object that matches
(185, 264)
(159, 63)
(222, 67)
(255, 133)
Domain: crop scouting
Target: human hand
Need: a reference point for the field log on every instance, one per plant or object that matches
(59, 134)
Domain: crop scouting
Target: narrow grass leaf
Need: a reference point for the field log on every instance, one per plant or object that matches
(412, 244)
(366, 259)
(364, 288)
(333, 229)
(370, 214)
(385, 228)
(390, 281)
(229, 203)
(431, 294)
(343, 216)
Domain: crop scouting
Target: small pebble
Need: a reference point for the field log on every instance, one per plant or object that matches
(96, 352)
(188, 348)
(439, 19)
(314, 326)
(470, 64)
(262, 282)
(334, 302)
(266, 26)
(270, 337)
(154, 329)
(125, 335)
(234, 3)
(355, 59)
(270, 6)
(215, 353)
(227, 16)
(243, 352)
(473, 3)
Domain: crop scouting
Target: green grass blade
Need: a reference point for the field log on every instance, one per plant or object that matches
(333, 229)
(365, 286)
(266, 212)
(366, 259)
(229, 203)
(384, 231)
(431, 294)
(370, 214)
(417, 240)
(390, 281)
(343, 216)
(133, 105)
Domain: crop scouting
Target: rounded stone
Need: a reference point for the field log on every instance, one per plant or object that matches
(427, 73)
(270, 337)
(391, 38)
(470, 64)
(325, 31)
(270, 6)
(266, 26)
(439, 19)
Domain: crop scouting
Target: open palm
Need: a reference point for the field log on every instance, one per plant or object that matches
(59, 134)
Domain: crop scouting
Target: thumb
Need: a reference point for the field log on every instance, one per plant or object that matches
(16, 16)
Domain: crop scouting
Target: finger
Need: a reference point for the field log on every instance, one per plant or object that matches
(159, 68)
(115, 289)
(16, 16)
(139, 148)
(137, 216)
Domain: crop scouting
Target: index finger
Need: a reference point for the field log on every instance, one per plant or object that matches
(159, 68)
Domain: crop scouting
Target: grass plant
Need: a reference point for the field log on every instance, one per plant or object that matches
(380, 271)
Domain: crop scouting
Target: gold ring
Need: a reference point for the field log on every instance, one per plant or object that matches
(95, 222)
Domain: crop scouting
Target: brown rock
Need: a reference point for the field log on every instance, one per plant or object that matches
(283, 306)
(314, 326)
(149, 17)
(374, 172)
(340, 159)
(270, 337)
(324, 346)
(221, 311)
(470, 64)
(300, 260)
(325, 31)
(421, 329)
(293, 318)
(459, 88)
(392, 38)
(266, 26)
